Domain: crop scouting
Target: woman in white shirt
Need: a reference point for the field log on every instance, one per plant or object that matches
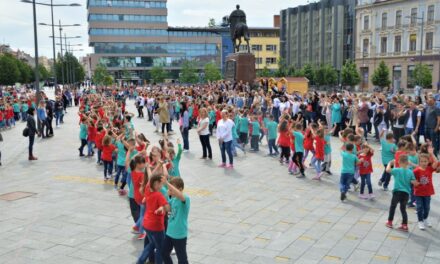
(224, 136)
(203, 130)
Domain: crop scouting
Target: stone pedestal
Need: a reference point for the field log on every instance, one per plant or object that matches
(240, 67)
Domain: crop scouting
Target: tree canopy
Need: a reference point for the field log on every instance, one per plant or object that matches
(381, 76)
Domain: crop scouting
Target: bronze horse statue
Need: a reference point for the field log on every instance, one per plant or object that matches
(238, 29)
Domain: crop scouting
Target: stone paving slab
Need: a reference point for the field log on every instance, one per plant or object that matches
(254, 214)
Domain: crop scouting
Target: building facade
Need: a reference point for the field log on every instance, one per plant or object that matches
(265, 45)
(134, 36)
(402, 33)
(318, 33)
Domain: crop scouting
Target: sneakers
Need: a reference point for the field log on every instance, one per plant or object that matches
(385, 189)
(222, 165)
(371, 196)
(427, 223)
(141, 236)
(363, 196)
(380, 183)
(135, 230)
(421, 225)
(389, 224)
(317, 177)
(122, 192)
(301, 175)
(230, 166)
(403, 228)
(343, 196)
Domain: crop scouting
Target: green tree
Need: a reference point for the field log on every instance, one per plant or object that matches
(108, 80)
(265, 72)
(283, 70)
(9, 71)
(326, 75)
(349, 74)
(158, 74)
(308, 71)
(211, 22)
(100, 74)
(212, 72)
(43, 72)
(381, 76)
(422, 75)
(69, 62)
(126, 74)
(26, 72)
(188, 74)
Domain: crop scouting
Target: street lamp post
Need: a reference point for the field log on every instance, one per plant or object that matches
(53, 28)
(37, 73)
(53, 34)
(422, 31)
(61, 45)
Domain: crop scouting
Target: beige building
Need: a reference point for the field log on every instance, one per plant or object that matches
(402, 33)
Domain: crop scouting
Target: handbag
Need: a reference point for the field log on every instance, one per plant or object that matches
(25, 132)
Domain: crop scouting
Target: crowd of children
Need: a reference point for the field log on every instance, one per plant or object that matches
(158, 206)
(301, 141)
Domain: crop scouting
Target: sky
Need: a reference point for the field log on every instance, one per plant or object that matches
(16, 27)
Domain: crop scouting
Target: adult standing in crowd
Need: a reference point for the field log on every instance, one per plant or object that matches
(164, 115)
(432, 123)
(224, 136)
(203, 131)
(32, 130)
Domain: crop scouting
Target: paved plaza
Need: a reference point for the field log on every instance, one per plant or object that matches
(257, 213)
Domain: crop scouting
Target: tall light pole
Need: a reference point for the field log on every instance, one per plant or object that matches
(53, 28)
(53, 41)
(36, 71)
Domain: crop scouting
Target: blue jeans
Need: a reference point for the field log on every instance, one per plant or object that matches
(140, 221)
(316, 164)
(235, 145)
(155, 239)
(120, 170)
(185, 134)
(408, 130)
(366, 180)
(272, 146)
(99, 156)
(365, 128)
(90, 147)
(226, 147)
(179, 245)
(432, 135)
(344, 182)
(58, 117)
(423, 207)
(108, 168)
(23, 116)
(386, 177)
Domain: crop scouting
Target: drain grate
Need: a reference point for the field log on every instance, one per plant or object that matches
(13, 196)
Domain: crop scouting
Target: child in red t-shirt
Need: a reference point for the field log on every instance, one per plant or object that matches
(318, 156)
(107, 151)
(425, 189)
(138, 177)
(154, 218)
(100, 134)
(284, 141)
(401, 150)
(365, 170)
(308, 141)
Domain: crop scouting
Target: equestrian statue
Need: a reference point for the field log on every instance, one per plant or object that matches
(238, 29)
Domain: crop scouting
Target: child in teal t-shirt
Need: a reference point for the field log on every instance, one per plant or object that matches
(349, 162)
(255, 134)
(403, 178)
(120, 163)
(388, 150)
(299, 149)
(177, 231)
(272, 133)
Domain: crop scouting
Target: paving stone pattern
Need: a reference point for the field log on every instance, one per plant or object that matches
(257, 213)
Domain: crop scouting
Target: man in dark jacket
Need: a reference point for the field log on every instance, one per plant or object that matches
(49, 109)
(32, 129)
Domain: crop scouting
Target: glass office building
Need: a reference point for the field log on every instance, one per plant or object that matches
(133, 36)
